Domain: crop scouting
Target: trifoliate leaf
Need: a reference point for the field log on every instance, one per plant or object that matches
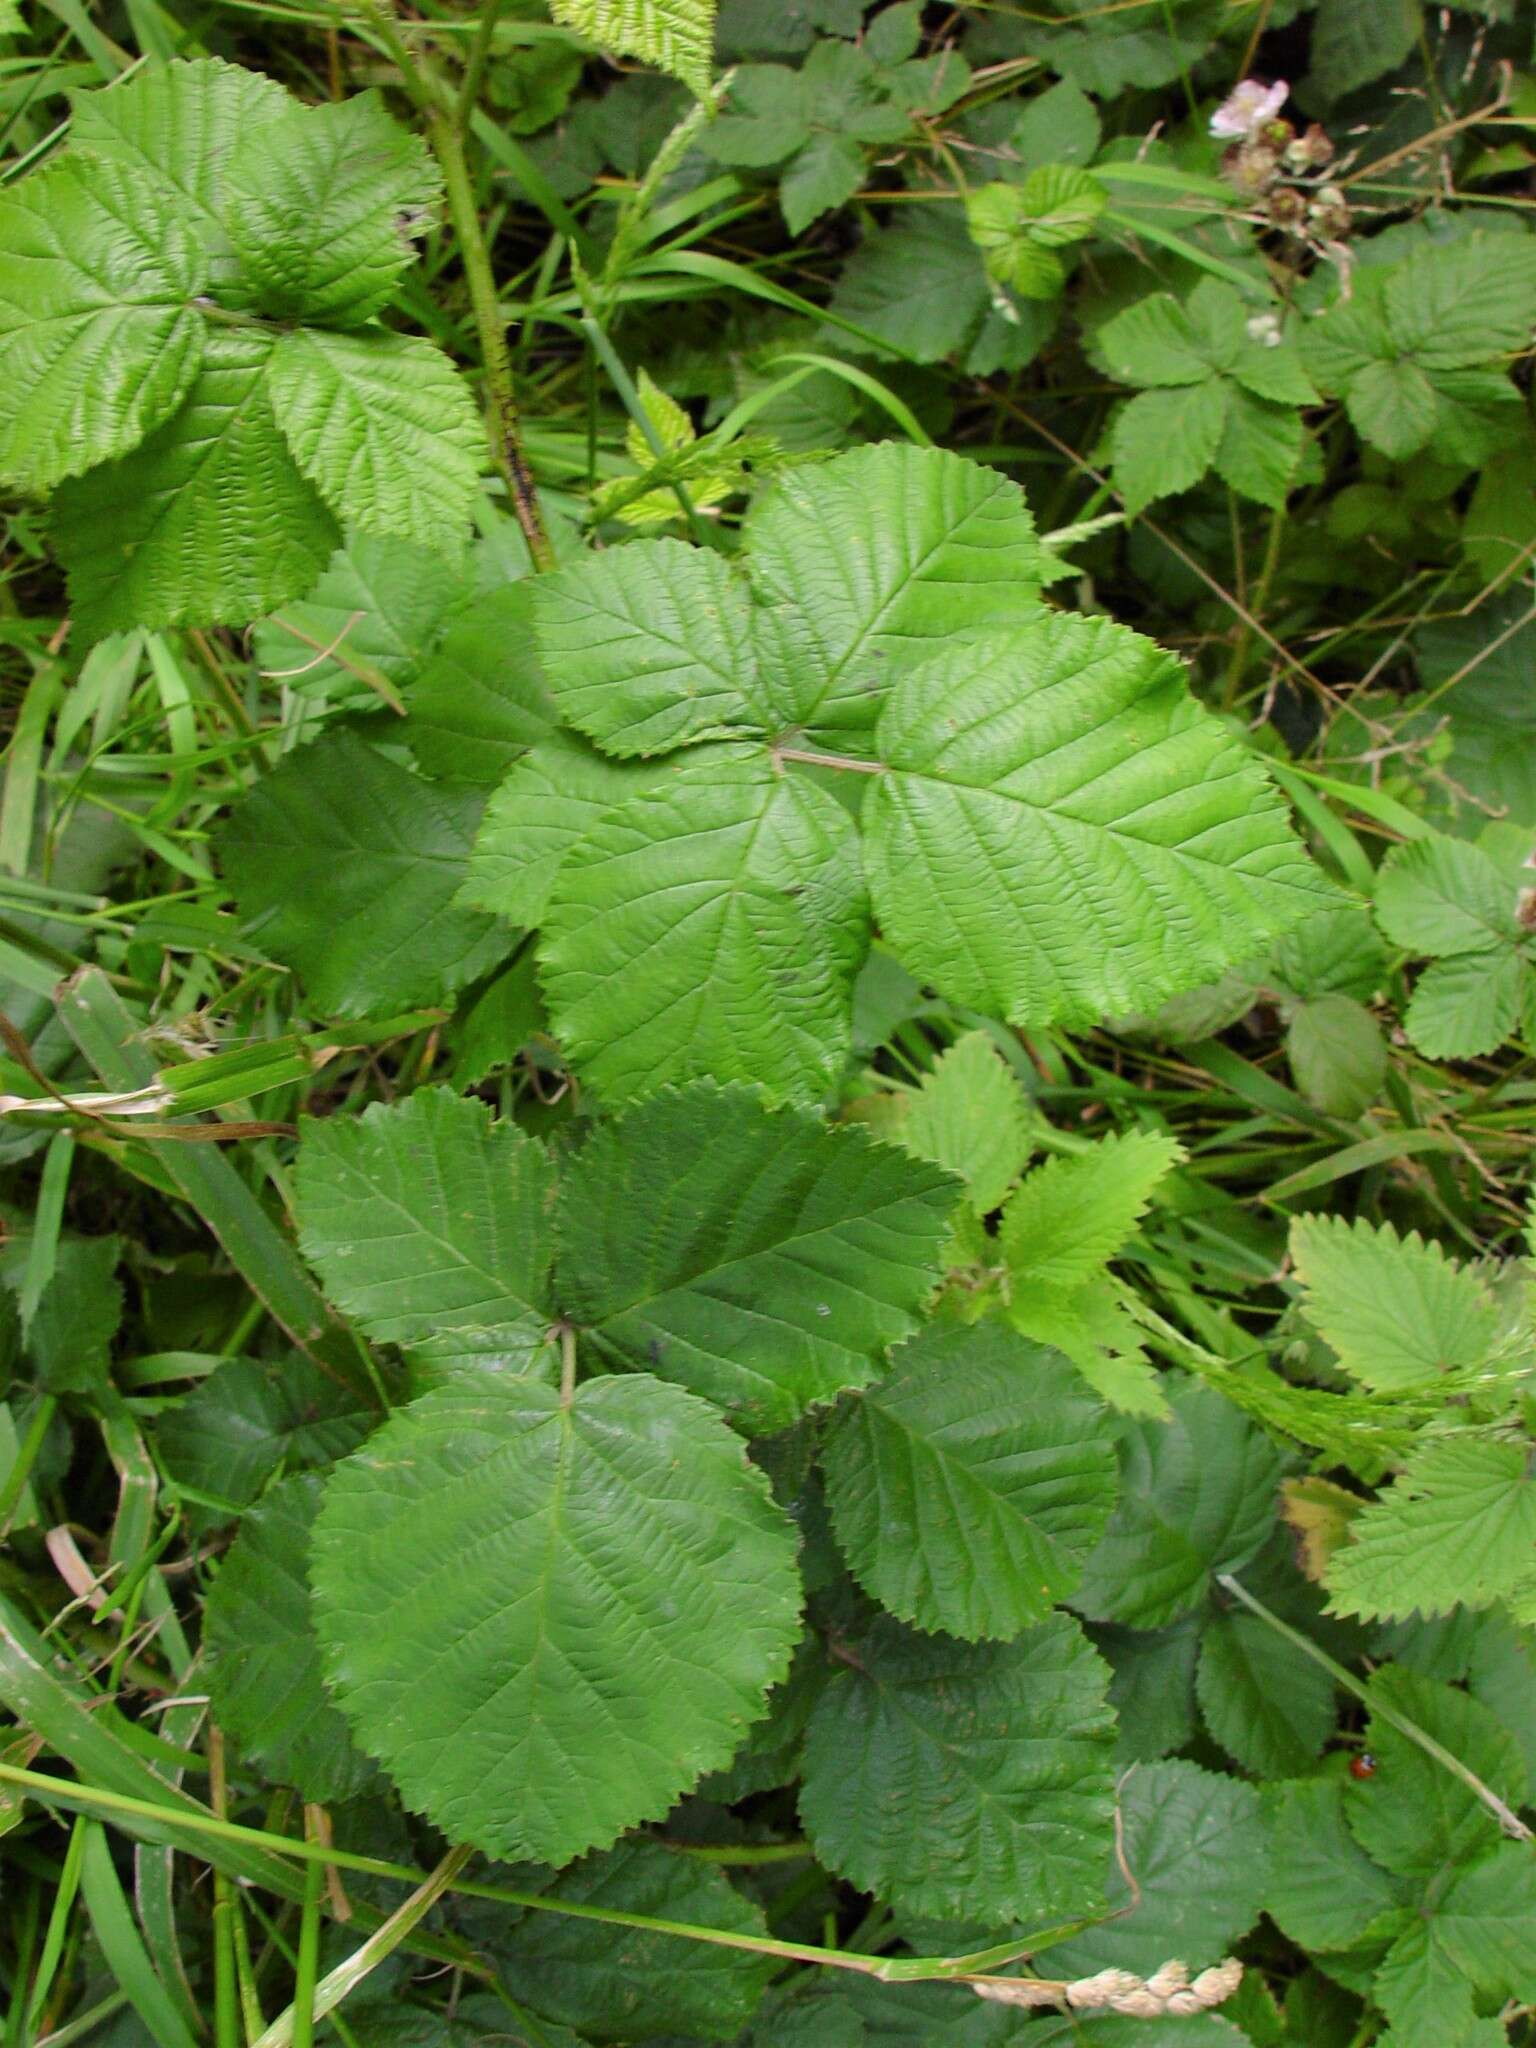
(711, 930)
(759, 1258)
(1196, 1845)
(548, 1616)
(635, 1984)
(98, 343)
(206, 522)
(1457, 1527)
(1069, 1217)
(264, 1672)
(674, 35)
(314, 205)
(1323, 1890)
(1019, 228)
(647, 646)
(383, 426)
(1414, 1817)
(479, 703)
(967, 1488)
(1197, 1496)
(346, 866)
(1395, 1309)
(1062, 832)
(546, 806)
(174, 129)
(424, 1216)
(1270, 1710)
(869, 561)
(972, 1116)
(965, 1781)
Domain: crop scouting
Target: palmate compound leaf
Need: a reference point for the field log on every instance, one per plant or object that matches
(546, 1616)
(967, 1488)
(1396, 1310)
(424, 1217)
(98, 343)
(870, 561)
(264, 1674)
(709, 929)
(962, 1780)
(207, 521)
(762, 1259)
(346, 866)
(1061, 831)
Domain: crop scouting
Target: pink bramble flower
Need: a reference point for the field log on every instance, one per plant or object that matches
(1248, 107)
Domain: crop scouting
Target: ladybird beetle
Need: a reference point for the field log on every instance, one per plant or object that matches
(1363, 1765)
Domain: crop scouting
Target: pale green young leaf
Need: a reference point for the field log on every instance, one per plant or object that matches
(634, 1982)
(972, 1116)
(207, 522)
(98, 341)
(314, 204)
(548, 1616)
(1457, 1527)
(546, 806)
(1270, 1710)
(479, 703)
(1164, 441)
(383, 426)
(674, 35)
(424, 1216)
(758, 1258)
(709, 930)
(1395, 1309)
(966, 1780)
(1414, 1817)
(346, 865)
(1019, 228)
(871, 560)
(1062, 832)
(967, 1488)
(1322, 1889)
(1098, 1331)
(1198, 1495)
(1198, 1848)
(174, 129)
(264, 1672)
(648, 646)
(1070, 1216)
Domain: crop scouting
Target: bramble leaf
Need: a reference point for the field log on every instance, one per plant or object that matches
(759, 1258)
(1071, 748)
(98, 343)
(966, 1781)
(423, 1216)
(547, 1616)
(709, 930)
(972, 1116)
(346, 866)
(967, 1488)
(674, 35)
(1069, 1216)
